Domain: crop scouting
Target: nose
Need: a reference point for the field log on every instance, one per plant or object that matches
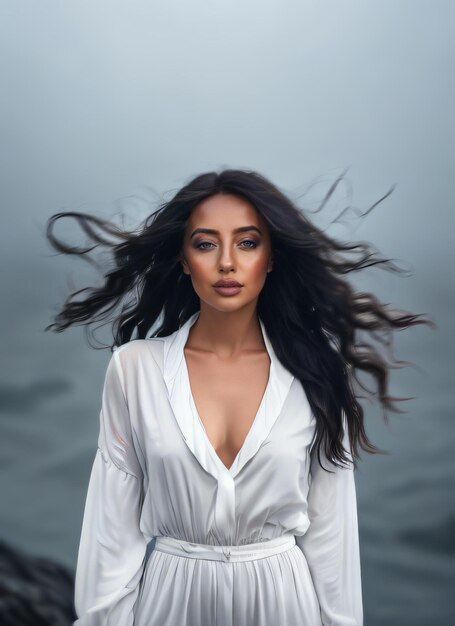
(226, 261)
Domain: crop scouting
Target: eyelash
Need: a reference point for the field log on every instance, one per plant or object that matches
(199, 245)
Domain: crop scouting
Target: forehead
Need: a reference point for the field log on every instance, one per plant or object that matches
(225, 210)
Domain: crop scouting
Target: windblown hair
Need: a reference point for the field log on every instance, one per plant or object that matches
(311, 312)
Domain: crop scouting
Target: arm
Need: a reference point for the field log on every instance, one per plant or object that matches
(331, 543)
(112, 547)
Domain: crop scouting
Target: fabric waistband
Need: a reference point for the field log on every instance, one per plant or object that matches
(229, 554)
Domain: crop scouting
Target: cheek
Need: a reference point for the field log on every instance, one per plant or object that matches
(198, 266)
(258, 267)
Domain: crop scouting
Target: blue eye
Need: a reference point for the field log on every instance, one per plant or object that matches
(202, 244)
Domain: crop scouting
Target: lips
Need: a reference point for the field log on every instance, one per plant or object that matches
(227, 287)
(227, 283)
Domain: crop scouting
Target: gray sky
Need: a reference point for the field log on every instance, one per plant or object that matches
(107, 104)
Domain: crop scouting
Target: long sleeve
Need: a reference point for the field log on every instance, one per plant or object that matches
(112, 547)
(331, 543)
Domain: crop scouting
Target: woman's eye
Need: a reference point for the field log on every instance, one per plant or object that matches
(250, 241)
(204, 245)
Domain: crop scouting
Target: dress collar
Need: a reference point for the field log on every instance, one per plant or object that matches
(176, 377)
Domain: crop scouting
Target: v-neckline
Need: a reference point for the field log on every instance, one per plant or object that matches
(215, 454)
(176, 377)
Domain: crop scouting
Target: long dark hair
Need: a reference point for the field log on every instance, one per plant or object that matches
(311, 312)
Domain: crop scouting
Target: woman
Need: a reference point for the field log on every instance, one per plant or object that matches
(230, 434)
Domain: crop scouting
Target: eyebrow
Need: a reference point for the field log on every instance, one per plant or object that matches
(212, 231)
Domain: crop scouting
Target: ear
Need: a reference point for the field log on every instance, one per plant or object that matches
(270, 265)
(185, 268)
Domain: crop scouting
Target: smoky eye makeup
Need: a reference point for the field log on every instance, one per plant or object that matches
(253, 240)
(205, 244)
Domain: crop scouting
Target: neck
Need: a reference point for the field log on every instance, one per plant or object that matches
(226, 334)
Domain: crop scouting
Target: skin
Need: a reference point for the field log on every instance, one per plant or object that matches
(227, 361)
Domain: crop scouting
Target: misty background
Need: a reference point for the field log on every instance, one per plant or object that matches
(109, 107)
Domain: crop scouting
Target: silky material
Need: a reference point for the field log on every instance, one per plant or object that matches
(156, 477)
(233, 554)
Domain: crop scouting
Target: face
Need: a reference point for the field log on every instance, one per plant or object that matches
(237, 248)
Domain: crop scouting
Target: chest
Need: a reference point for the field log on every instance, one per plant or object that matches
(227, 396)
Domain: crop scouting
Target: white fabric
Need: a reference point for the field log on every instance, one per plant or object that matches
(237, 554)
(155, 474)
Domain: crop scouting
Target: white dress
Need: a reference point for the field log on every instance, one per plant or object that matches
(156, 475)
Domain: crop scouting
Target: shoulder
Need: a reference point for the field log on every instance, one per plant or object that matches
(129, 355)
